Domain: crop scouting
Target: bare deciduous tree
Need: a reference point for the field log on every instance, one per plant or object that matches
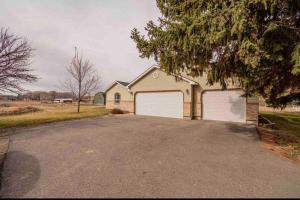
(15, 54)
(84, 78)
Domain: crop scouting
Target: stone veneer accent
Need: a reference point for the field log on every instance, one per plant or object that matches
(127, 106)
(252, 112)
(252, 109)
(197, 111)
(187, 110)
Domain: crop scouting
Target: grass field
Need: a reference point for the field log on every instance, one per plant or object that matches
(289, 123)
(287, 134)
(49, 113)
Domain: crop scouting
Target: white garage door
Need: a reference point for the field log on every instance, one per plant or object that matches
(224, 105)
(163, 104)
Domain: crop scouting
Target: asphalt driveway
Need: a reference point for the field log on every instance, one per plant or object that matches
(131, 156)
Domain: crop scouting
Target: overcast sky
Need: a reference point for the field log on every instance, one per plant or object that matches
(100, 28)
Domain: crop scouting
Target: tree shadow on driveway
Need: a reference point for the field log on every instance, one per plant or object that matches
(20, 174)
(243, 130)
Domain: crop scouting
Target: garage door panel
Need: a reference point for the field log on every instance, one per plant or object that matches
(224, 106)
(163, 104)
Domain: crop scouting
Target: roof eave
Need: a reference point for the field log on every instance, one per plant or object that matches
(156, 67)
(189, 81)
(115, 82)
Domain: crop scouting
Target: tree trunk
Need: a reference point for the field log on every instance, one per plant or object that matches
(78, 106)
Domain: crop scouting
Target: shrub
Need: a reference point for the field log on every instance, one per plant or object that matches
(28, 109)
(117, 111)
(4, 105)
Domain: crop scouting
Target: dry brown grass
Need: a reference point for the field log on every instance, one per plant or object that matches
(7, 109)
(49, 113)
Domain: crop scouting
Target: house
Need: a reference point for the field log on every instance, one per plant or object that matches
(8, 98)
(63, 100)
(99, 98)
(155, 93)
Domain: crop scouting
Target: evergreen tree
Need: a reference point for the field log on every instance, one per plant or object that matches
(255, 43)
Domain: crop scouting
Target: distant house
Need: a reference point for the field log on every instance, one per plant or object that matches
(87, 99)
(64, 100)
(99, 98)
(8, 98)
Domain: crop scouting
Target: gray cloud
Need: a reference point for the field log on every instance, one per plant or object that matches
(99, 28)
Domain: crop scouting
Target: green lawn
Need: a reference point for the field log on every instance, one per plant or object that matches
(51, 113)
(288, 123)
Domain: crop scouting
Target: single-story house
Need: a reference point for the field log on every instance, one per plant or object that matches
(156, 93)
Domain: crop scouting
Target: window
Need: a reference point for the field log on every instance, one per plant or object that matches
(117, 98)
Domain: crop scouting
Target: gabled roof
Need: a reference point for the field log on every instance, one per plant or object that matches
(124, 84)
(142, 75)
(128, 85)
(156, 67)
